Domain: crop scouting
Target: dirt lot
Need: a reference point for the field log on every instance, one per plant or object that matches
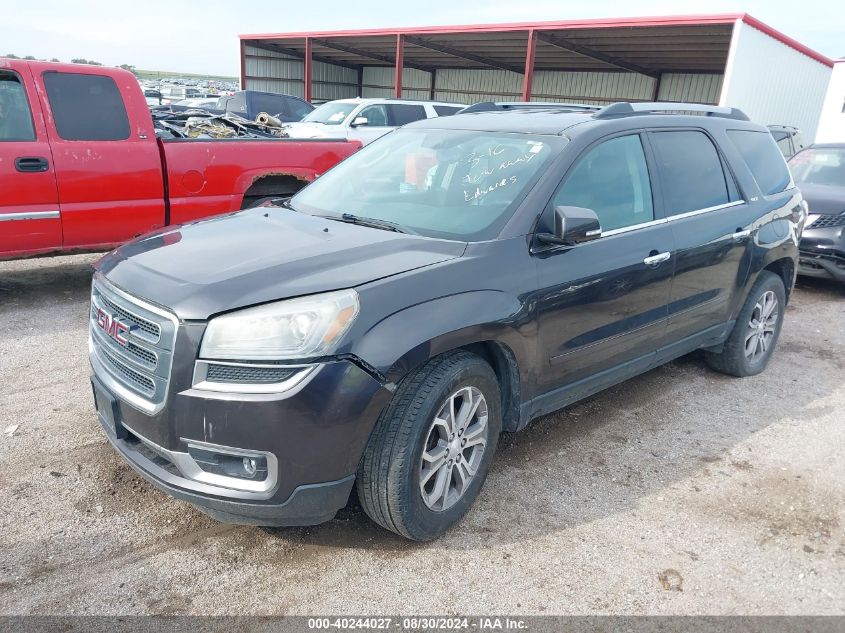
(681, 491)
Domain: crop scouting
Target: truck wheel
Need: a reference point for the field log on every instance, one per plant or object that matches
(755, 334)
(430, 451)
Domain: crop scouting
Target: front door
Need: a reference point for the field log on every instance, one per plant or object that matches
(29, 202)
(108, 165)
(603, 304)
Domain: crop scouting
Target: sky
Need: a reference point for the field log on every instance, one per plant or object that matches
(201, 37)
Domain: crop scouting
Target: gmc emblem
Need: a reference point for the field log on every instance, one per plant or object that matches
(111, 326)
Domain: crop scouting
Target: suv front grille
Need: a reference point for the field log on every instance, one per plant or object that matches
(142, 365)
(826, 221)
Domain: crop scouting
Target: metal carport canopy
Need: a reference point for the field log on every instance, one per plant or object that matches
(648, 45)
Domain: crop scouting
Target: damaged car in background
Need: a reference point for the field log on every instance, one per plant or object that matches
(819, 171)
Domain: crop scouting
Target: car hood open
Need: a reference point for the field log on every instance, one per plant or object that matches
(260, 255)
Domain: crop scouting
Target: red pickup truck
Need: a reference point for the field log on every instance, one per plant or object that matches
(81, 168)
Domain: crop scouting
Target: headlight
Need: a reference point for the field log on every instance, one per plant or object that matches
(295, 328)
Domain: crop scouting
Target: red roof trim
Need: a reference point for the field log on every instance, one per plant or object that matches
(672, 20)
(678, 20)
(785, 39)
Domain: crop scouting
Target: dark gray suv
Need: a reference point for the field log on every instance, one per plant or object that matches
(453, 280)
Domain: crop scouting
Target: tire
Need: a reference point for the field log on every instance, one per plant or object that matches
(734, 359)
(391, 472)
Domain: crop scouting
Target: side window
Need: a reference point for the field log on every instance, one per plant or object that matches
(691, 171)
(763, 158)
(612, 180)
(782, 139)
(15, 115)
(86, 107)
(447, 110)
(297, 109)
(271, 104)
(376, 115)
(402, 113)
(237, 104)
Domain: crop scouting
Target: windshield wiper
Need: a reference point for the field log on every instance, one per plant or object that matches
(282, 202)
(384, 225)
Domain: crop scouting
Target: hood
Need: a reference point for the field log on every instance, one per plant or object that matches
(262, 255)
(824, 199)
(304, 129)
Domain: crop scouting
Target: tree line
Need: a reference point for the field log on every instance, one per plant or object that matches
(76, 60)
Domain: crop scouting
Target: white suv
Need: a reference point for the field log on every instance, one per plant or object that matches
(365, 119)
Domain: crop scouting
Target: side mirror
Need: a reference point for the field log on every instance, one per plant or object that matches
(573, 225)
(359, 120)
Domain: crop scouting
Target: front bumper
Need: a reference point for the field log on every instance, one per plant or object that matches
(822, 253)
(312, 436)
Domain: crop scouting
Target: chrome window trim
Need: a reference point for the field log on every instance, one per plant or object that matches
(718, 207)
(190, 470)
(201, 371)
(671, 218)
(28, 215)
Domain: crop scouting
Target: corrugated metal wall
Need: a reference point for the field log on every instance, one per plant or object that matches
(772, 82)
(594, 88)
(378, 82)
(471, 86)
(690, 88)
(275, 72)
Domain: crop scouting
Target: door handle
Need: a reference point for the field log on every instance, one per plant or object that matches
(741, 234)
(657, 258)
(31, 164)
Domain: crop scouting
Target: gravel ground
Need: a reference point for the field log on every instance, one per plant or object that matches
(678, 492)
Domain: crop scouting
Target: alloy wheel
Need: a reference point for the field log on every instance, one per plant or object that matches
(454, 447)
(761, 326)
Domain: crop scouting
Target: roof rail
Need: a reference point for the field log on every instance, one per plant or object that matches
(492, 106)
(623, 108)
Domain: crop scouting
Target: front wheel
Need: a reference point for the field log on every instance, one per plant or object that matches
(755, 334)
(431, 449)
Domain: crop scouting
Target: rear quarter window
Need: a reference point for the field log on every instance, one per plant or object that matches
(86, 107)
(402, 113)
(763, 158)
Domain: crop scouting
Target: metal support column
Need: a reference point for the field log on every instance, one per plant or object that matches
(529, 65)
(400, 61)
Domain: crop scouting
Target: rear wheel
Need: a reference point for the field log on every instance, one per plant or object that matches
(755, 334)
(431, 449)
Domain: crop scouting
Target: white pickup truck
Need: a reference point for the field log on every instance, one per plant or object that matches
(365, 120)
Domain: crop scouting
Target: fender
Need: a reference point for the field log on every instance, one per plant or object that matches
(406, 339)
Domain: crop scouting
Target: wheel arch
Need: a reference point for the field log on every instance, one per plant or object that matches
(268, 185)
(405, 341)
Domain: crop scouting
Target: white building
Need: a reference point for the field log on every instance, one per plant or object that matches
(727, 59)
(832, 122)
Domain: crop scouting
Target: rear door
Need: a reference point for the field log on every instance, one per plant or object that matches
(602, 308)
(29, 201)
(107, 162)
(711, 224)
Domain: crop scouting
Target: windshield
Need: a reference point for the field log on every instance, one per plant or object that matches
(819, 166)
(332, 113)
(454, 184)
